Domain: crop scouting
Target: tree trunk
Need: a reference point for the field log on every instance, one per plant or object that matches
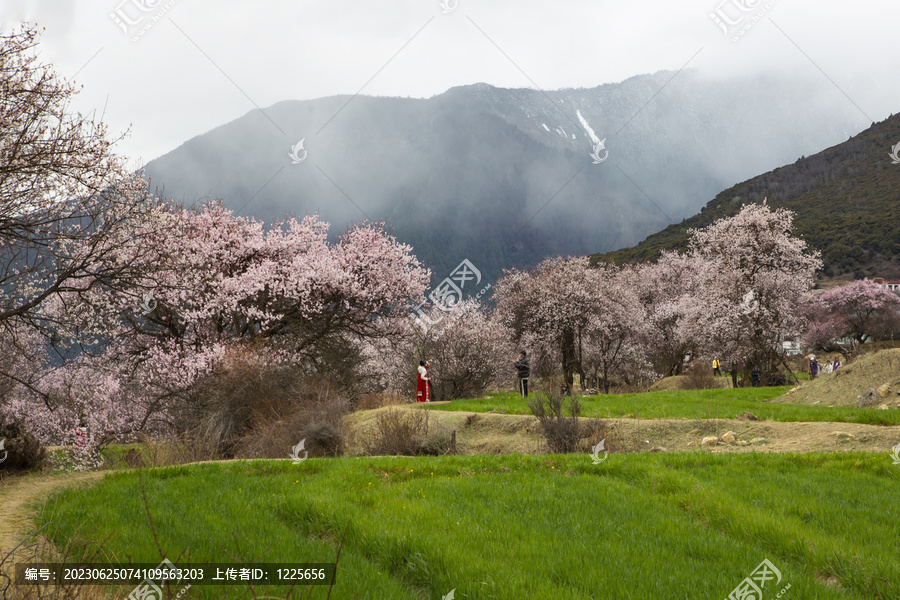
(568, 356)
(788, 367)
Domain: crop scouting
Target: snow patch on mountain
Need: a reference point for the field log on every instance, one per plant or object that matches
(587, 128)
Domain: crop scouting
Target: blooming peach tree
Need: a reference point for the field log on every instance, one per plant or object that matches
(468, 349)
(752, 272)
(858, 311)
(586, 316)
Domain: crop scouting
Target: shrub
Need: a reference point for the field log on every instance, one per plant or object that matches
(699, 376)
(253, 410)
(408, 433)
(21, 449)
(398, 433)
(311, 411)
(439, 442)
(324, 438)
(372, 401)
(591, 431)
(561, 432)
(194, 446)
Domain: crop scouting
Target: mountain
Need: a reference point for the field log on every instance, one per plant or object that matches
(846, 200)
(504, 177)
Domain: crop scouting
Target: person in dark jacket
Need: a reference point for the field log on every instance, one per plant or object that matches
(524, 370)
(754, 376)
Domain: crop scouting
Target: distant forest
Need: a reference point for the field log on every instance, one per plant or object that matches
(846, 200)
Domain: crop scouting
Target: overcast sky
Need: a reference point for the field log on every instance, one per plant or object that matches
(201, 63)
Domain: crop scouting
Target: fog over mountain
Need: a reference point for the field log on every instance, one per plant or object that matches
(505, 177)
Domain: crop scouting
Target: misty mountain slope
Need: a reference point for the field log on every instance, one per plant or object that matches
(846, 199)
(504, 177)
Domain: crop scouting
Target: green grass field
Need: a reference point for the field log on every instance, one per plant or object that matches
(689, 404)
(635, 526)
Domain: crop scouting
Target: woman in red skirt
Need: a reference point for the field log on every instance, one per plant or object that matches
(423, 391)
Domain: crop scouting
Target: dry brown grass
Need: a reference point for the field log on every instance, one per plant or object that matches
(842, 387)
(481, 433)
(489, 433)
(35, 548)
(372, 401)
(172, 450)
(683, 382)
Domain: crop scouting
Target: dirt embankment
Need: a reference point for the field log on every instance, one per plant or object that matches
(844, 386)
(488, 433)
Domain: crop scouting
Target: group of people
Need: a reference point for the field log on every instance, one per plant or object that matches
(755, 372)
(423, 380)
(815, 368)
(523, 370)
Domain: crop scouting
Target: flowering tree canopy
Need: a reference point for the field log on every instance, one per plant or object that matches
(467, 349)
(859, 310)
(663, 290)
(587, 316)
(753, 274)
(66, 200)
(214, 279)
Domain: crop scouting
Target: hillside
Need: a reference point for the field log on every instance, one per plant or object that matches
(847, 201)
(504, 177)
(844, 386)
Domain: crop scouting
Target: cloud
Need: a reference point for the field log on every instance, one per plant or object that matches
(207, 62)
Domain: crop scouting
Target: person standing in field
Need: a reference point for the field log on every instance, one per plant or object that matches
(423, 391)
(837, 363)
(813, 368)
(716, 365)
(524, 372)
(754, 376)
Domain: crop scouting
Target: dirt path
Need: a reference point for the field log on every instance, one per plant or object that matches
(20, 495)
